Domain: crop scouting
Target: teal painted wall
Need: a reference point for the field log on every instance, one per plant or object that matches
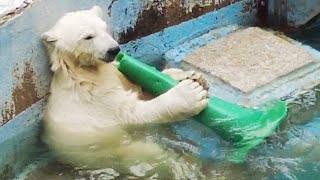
(25, 75)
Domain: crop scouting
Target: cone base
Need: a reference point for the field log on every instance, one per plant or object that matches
(273, 115)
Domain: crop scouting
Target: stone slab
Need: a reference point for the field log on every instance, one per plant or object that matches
(249, 58)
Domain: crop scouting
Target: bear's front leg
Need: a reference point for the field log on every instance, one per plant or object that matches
(183, 101)
(179, 75)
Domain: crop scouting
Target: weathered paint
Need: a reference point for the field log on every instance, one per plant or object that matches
(9, 6)
(25, 78)
(23, 96)
(10, 9)
(125, 13)
(158, 15)
(158, 43)
(24, 68)
(30, 25)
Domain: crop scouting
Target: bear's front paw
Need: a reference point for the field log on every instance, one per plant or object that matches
(180, 75)
(189, 99)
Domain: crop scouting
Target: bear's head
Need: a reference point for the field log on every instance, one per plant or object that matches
(82, 37)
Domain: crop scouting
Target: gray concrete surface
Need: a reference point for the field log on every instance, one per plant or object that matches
(249, 58)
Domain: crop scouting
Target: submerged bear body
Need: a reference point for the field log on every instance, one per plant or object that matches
(91, 103)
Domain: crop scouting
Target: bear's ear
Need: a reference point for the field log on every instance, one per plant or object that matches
(97, 10)
(48, 37)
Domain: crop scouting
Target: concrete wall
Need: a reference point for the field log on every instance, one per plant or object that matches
(294, 13)
(151, 27)
(301, 11)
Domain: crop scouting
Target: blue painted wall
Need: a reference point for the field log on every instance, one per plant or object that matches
(20, 43)
(25, 75)
(159, 43)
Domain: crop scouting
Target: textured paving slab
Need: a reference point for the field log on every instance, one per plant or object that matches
(249, 58)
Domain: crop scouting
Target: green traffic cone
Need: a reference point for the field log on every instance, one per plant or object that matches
(245, 127)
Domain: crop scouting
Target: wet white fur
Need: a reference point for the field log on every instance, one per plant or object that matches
(91, 102)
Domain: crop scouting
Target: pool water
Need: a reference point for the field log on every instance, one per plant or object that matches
(309, 36)
(293, 152)
(290, 154)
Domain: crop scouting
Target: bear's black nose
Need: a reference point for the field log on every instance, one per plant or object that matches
(114, 51)
(111, 54)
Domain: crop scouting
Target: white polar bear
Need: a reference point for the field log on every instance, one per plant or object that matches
(91, 102)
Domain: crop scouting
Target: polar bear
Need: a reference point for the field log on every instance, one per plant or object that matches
(91, 103)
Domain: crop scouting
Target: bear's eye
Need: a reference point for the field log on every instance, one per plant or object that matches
(88, 37)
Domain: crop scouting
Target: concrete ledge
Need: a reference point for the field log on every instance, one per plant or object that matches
(178, 53)
(19, 141)
(306, 75)
(249, 58)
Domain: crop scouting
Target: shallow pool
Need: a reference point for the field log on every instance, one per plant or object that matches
(290, 154)
(293, 152)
